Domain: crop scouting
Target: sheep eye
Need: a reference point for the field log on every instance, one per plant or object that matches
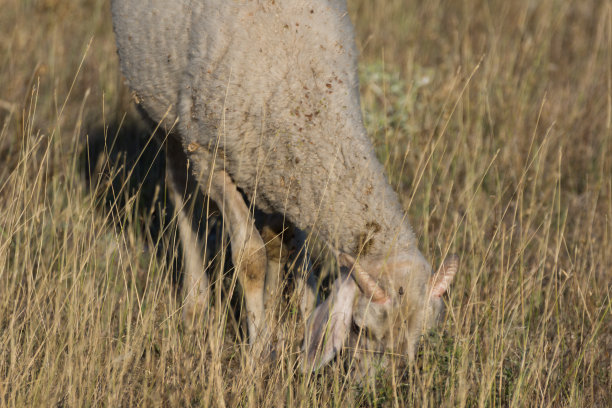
(401, 291)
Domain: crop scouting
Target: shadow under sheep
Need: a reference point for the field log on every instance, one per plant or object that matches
(123, 166)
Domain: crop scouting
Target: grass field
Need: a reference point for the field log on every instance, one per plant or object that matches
(494, 122)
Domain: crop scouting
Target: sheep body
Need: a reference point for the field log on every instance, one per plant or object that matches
(273, 86)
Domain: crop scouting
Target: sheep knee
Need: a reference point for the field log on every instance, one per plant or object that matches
(252, 263)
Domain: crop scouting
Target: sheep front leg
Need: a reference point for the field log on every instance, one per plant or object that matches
(182, 188)
(248, 250)
(286, 248)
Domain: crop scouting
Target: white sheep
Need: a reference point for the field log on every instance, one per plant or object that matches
(265, 98)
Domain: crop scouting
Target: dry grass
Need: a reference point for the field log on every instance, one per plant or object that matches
(494, 121)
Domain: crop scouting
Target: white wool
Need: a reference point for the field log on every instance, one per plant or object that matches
(275, 84)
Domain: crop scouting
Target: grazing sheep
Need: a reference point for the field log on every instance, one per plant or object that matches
(264, 97)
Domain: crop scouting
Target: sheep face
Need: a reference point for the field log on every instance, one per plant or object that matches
(413, 306)
(387, 312)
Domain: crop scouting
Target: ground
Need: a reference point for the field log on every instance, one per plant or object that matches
(494, 122)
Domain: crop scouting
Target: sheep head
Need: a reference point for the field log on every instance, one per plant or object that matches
(391, 303)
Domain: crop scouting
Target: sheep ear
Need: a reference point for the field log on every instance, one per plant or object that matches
(329, 325)
(440, 282)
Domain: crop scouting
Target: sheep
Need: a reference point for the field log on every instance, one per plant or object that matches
(264, 97)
